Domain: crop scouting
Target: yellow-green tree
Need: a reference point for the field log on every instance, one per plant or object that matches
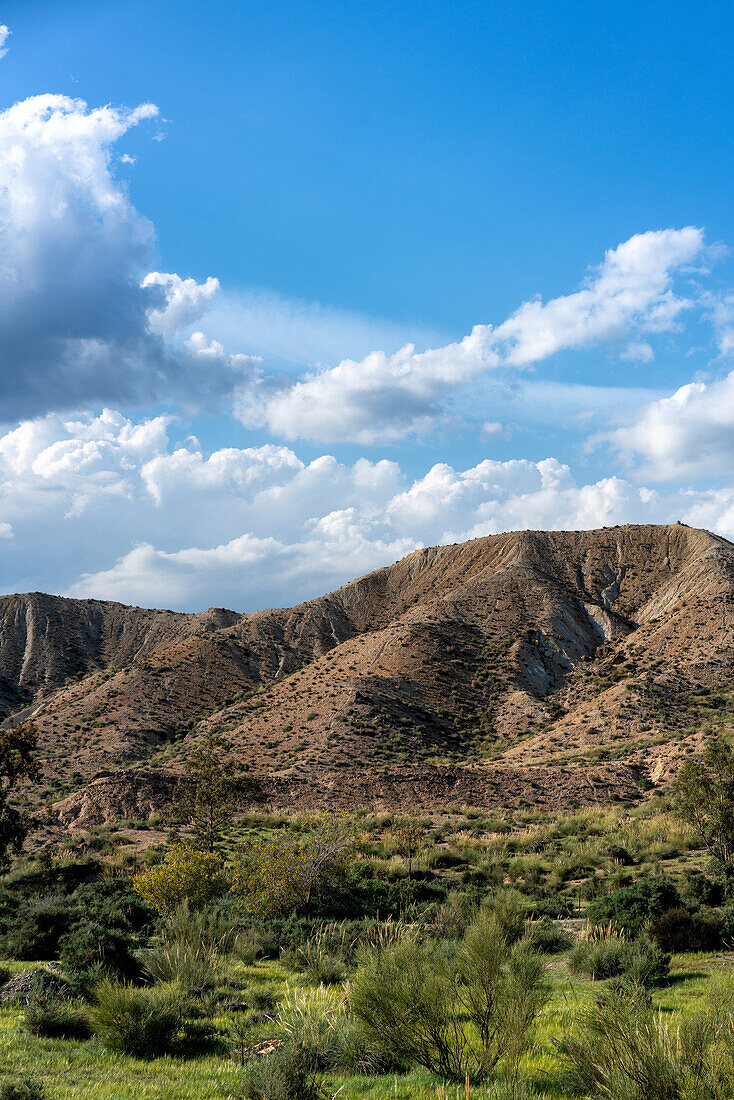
(185, 874)
(281, 875)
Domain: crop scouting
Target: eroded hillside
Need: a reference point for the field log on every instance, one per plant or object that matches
(497, 667)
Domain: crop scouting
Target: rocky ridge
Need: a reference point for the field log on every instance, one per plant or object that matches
(529, 667)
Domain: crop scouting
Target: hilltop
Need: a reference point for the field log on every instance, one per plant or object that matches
(554, 668)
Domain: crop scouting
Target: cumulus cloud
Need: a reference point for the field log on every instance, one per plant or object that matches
(631, 290)
(80, 324)
(384, 397)
(140, 516)
(380, 398)
(5, 33)
(687, 435)
(185, 301)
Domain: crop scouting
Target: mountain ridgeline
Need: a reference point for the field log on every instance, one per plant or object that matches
(548, 668)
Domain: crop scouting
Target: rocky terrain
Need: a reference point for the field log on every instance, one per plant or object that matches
(548, 668)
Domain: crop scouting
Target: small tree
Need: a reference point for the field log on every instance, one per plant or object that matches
(409, 836)
(280, 876)
(185, 875)
(704, 798)
(207, 800)
(17, 762)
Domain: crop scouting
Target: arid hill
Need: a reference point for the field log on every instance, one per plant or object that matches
(554, 668)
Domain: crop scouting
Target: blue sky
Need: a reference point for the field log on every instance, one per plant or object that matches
(351, 178)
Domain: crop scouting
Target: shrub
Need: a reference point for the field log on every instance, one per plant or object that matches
(507, 908)
(90, 950)
(142, 1022)
(38, 929)
(53, 1019)
(282, 875)
(185, 875)
(604, 954)
(457, 1012)
(631, 907)
(192, 965)
(22, 1088)
(330, 1040)
(679, 930)
(282, 1075)
(113, 903)
(548, 938)
(625, 1050)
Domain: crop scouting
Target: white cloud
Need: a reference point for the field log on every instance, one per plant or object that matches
(5, 33)
(638, 352)
(289, 333)
(687, 435)
(382, 397)
(385, 397)
(721, 313)
(136, 516)
(631, 290)
(77, 328)
(185, 301)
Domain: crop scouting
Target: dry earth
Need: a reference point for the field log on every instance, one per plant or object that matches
(529, 668)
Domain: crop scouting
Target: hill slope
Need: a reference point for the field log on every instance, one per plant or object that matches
(519, 665)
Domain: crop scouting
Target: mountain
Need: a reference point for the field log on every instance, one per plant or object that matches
(549, 668)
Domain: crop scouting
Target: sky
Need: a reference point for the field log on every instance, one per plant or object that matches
(289, 290)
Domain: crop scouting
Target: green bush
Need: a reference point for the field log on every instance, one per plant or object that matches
(193, 965)
(90, 950)
(457, 1012)
(282, 1075)
(680, 930)
(625, 1050)
(36, 933)
(51, 1018)
(548, 938)
(603, 954)
(508, 911)
(142, 1022)
(22, 1088)
(330, 1040)
(631, 908)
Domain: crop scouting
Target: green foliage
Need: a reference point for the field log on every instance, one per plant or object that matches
(185, 875)
(207, 799)
(278, 876)
(607, 954)
(51, 1018)
(191, 950)
(282, 1075)
(680, 930)
(630, 908)
(625, 1050)
(39, 926)
(38, 930)
(704, 798)
(90, 950)
(17, 762)
(142, 1022)
(457, 1012)
(22, 1088)
(548, 938)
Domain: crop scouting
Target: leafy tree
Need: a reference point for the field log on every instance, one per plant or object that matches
(280, 876)
(409, 837)
(17, 762)
(207, 799)
(186, 874)
(704, 797)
